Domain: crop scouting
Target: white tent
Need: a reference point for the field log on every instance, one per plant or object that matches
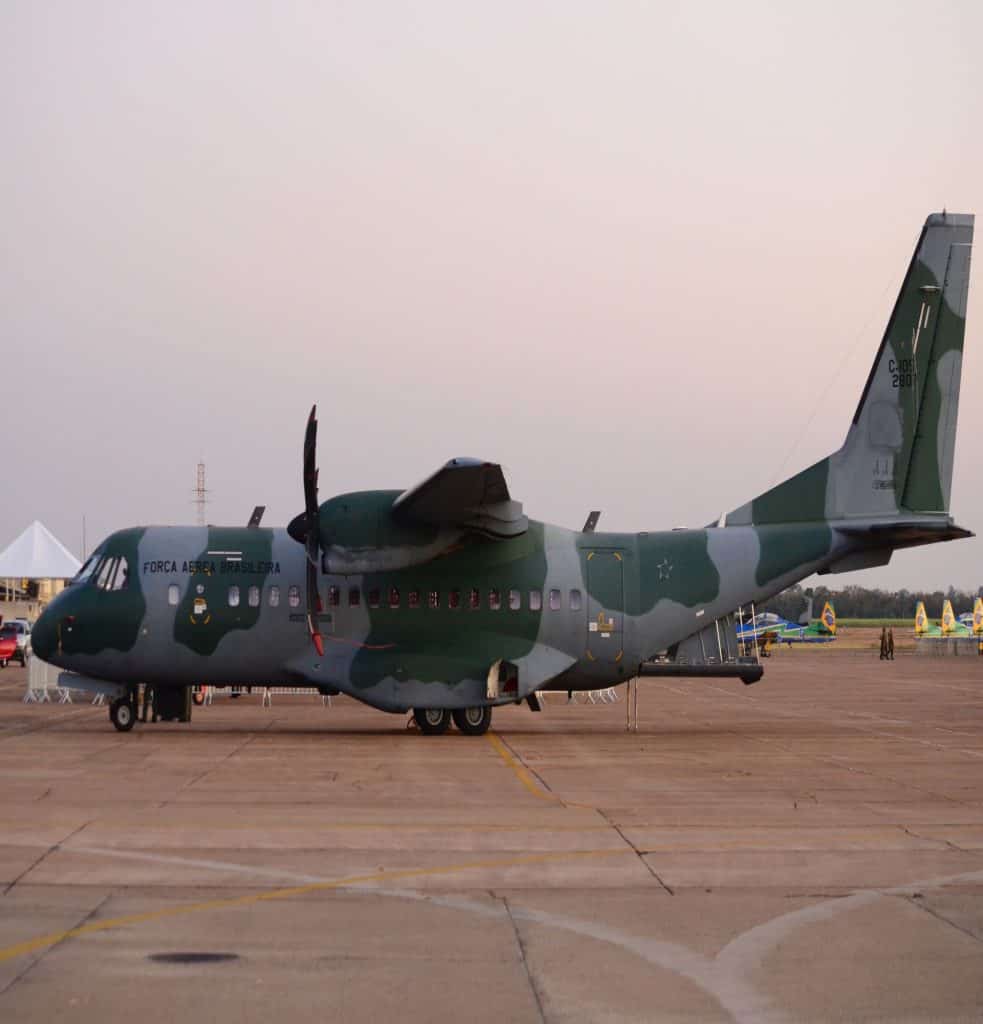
(37, 554)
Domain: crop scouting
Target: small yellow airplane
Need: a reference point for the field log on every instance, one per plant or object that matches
(950, 626)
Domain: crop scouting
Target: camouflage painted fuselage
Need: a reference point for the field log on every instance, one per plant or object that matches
(575, 610)
(640, 594)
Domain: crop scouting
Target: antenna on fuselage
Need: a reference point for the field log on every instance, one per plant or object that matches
(591, 523)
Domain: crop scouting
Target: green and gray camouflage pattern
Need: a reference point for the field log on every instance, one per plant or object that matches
(426, 592)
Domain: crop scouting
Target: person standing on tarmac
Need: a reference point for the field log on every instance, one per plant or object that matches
(883, 643)
(890, 644)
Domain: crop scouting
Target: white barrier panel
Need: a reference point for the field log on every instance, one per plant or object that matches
(40, 678)
(46, 682)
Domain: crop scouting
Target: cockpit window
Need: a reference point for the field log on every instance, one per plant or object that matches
(121, 577)
(112, 573)
(88, 569)
(104, 572)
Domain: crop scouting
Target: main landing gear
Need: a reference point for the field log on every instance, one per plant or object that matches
(470, 721)
(432, 721)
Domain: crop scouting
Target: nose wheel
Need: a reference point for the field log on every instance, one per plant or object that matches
(123, 714)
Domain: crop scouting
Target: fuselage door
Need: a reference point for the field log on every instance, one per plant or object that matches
(605, 573)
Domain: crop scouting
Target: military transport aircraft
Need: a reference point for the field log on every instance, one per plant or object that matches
(445, 599)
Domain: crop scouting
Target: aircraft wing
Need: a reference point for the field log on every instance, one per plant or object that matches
(468, 493)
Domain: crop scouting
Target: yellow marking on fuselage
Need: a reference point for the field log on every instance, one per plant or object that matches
(93, 927)
(521, 771)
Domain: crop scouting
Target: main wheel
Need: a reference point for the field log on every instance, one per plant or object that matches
(122, 714)
(432, 721)
(473, 721)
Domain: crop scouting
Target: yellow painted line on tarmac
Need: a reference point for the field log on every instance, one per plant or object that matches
(43, 941)
(119, 825)
(521, 771)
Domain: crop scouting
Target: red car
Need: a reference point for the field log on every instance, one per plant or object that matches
(8, 648)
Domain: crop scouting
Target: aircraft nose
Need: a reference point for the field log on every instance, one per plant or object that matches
(44, 638)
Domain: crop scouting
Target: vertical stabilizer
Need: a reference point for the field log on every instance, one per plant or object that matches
(948, 618)
(921, 619)
(897, 457)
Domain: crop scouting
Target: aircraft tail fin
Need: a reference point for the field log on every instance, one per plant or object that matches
(948, 618)
(828, 618)
(921, 619)
(978, 617)
(897, 457)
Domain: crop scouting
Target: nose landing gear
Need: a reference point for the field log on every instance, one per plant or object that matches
(123, 714)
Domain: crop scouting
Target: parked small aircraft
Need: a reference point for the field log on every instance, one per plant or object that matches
(446, 599)
(948, 626)
(973, 620)
(768, 628)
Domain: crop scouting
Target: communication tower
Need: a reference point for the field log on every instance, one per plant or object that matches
(200, 492)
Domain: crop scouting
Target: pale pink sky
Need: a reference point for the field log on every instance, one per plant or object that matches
(642, 254)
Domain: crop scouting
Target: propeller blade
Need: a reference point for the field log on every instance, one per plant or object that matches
(314, 608)
(312, 531)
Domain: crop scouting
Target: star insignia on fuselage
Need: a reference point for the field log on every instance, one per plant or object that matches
(665, 569)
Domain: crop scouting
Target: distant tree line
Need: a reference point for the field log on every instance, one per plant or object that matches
(862, 603)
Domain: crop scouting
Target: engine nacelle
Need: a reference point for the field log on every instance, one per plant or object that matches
(362, 534)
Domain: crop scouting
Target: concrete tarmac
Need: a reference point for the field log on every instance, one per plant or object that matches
(806, 849)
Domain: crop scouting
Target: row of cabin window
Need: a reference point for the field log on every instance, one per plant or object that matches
(414, 598)
(455, 599)
(252, 596)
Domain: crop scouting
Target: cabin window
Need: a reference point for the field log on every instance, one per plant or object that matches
(293, 596)
(474, 599)
(354, 597)
(433, 599)
(375, 597)
(233, 596)
(575, 601)
(535, 600)
(494, 599)
(556, 602)
(414, 599)
(454, 599)
(394, 597)
(173, 594)
(274, 597)
(334, 597)
(252, 596)
(515, 600)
